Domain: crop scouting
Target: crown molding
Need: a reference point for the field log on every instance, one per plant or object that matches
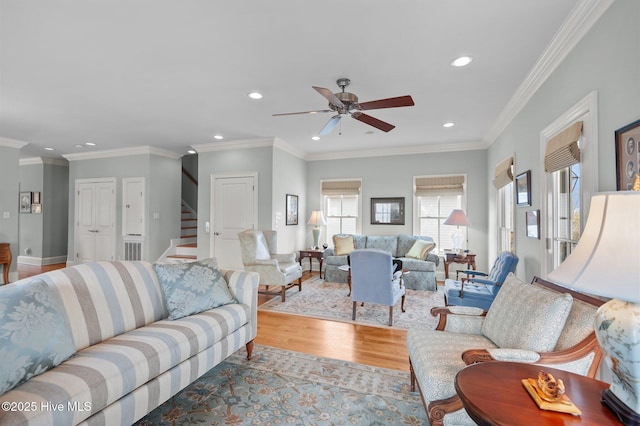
(12, 143)
(42, 160)
(582, 18)
(407, 150)
(123, 152)
(235, 144)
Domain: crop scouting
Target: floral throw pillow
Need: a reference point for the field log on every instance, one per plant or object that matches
(34, 335)
(191, 288)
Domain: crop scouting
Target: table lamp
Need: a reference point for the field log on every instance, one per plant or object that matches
(606, 262)
(458, 219)
(317, 219)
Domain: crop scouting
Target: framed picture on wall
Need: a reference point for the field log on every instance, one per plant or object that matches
(25, 202)
(523, 189)
(533, 223)
(387, 211)
(627, 155)
(292, 209)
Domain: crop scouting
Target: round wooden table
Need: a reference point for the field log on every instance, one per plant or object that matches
(492, 394)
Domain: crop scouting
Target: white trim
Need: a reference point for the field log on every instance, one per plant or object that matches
(40, 261)
(587, 111)
(237, 144)
(12, 143)
(584, 15)
(123, 152)
(42, 160)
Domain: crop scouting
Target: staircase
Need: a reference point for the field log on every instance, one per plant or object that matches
(185, 248)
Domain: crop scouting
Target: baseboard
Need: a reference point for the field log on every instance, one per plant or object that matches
(39, 261)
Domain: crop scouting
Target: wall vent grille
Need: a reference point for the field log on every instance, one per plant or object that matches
(132, 250)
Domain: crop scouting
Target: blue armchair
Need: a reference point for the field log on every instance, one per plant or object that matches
(373, 280)
(480, 292)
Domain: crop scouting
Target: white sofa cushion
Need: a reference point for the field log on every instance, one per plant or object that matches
(524, 316)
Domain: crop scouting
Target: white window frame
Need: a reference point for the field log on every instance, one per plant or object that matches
(586, 110)
(323, 203)
(502, 201)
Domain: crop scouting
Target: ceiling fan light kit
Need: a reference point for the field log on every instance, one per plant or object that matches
(346, 103)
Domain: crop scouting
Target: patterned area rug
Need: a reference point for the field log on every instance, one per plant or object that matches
(327, 300)
(292, 388)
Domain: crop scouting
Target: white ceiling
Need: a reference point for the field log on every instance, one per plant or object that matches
(172, 74)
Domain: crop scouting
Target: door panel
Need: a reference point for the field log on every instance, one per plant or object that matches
(95, 222)
(233, 211)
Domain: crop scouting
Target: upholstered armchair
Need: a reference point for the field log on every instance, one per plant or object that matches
(276, 270)
(480, 288)
(539, 323)
(373, 280)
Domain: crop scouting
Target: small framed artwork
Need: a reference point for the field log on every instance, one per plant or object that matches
(387, 211)
(533, 223)
(627, 155)
(292, 209)
(35, 198)
(523, 189)
(25, 202)
(36, 208)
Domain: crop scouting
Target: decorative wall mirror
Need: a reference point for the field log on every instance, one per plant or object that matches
(387, 211)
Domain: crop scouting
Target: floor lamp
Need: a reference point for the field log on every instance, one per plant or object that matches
(457, 218)
(606, 262)
(317, 219)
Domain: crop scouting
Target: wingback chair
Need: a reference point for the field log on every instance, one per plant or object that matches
(480, 288)
(373, 280)
(259, 255)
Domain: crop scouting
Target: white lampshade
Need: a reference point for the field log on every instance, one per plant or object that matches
(606, 261)
(457, 218)
(317, 218)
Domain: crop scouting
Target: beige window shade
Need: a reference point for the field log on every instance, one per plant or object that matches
(441, 185)
(562, 150)
(504, 175)
(341, 187)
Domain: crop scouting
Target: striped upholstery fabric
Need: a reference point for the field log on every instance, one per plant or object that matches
(142, 360)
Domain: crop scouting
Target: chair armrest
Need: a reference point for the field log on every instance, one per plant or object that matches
(244, 287)
(472, 272)
(269, 262)
(459, 319)
(474, 356)
(481, 281)
(328, 252)
(432, 257)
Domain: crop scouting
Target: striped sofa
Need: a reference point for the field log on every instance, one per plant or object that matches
(128, 358)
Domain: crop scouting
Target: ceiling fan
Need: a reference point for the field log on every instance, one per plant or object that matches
(347, 103)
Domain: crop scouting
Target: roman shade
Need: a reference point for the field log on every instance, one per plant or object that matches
(341, 187)
(439, 185)
(562, 150)
(504, 175)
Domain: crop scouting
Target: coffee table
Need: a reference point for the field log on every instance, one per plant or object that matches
(492, 394)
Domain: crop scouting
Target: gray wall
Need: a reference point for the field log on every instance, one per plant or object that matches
(9, 176)
(55, 210)
(289, 177)
(606, 60)
(31, 226)
(392, 176)
(162, 178)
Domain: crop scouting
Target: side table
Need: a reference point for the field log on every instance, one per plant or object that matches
(5, 259)
(452, 257)
(492, 394)
(312, 254)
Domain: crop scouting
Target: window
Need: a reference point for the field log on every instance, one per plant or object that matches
(341, 200)
(503, 182)
(567, 212)
(505, 218)
(435, 198)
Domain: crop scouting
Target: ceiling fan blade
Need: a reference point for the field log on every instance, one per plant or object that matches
(330, 125)
(400, 101)
(328, 94)
(372, 121)
(302, 112)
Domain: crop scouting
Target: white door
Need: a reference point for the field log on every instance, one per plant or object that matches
(133, 206)
(234, 210)
(95, 220)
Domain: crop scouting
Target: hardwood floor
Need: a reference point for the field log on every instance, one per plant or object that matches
(377, 346)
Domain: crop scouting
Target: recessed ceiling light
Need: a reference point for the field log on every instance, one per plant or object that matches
(191, 151)
(461, 61)
(315, 138)
(79, 146)
(218, 137)
(49, 149)
(448, 124)
(90, 144)
(255, 95)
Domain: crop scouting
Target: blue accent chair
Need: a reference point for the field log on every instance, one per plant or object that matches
(373, 280)
(480, 292)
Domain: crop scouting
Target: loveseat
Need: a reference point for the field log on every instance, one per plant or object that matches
(538, 323)
(105, 343)
(422, 270)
